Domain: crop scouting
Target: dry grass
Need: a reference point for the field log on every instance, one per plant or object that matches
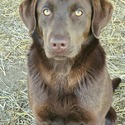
(14, 43)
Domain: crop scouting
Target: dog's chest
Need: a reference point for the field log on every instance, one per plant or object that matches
(69, 99)
(64, 100)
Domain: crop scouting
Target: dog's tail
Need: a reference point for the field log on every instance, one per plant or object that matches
(115, 83)
(111, 117)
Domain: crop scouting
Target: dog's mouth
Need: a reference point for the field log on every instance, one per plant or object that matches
(60, 58)
(58, 55)
(61, 55)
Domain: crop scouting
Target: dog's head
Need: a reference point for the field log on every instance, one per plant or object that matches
(64, 25)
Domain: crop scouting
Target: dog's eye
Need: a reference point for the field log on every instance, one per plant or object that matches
(46, 12)
(78, 13)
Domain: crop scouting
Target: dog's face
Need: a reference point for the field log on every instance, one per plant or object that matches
(64, 25)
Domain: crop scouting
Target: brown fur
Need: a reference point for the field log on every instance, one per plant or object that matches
(76, 90)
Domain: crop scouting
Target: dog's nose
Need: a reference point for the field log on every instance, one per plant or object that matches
(59, 43)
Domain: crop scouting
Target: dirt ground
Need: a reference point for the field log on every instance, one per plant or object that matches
(14, 45)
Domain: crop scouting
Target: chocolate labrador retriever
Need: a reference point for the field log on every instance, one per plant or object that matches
(68, 79)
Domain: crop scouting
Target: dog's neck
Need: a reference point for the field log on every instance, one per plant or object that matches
(90, 61)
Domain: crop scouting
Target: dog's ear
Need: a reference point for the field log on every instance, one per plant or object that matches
(102, 12)
(115, 83)
(27, 13)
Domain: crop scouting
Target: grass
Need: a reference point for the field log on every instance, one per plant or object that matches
(14, 43)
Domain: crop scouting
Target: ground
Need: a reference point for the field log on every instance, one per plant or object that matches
(14, 45)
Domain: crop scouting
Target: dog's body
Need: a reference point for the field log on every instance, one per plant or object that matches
(68, 79)
(71, 90)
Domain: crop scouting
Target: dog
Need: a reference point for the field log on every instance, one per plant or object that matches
(68, 81)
